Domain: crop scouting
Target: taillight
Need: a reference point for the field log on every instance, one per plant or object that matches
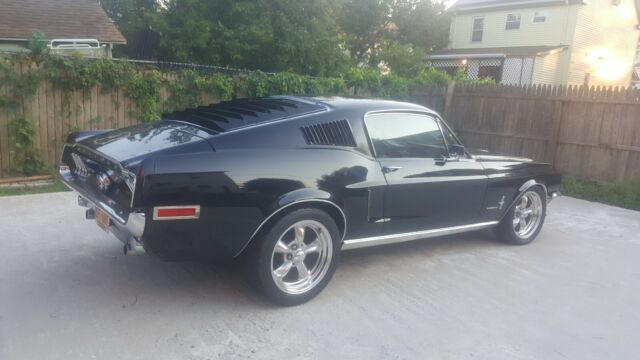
(176, 212)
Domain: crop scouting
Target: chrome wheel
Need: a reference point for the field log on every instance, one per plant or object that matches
(527, 214)
(301, 257)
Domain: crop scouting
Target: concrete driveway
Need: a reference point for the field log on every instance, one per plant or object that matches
(67, 292)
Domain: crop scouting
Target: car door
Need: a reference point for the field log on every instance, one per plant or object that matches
(426, 187)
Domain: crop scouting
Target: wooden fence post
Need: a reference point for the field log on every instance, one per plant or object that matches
(554, 138)
(448, 99)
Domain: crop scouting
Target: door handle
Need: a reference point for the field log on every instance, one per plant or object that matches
(390, 169)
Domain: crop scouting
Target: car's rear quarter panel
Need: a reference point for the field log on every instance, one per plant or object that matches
(239, 189)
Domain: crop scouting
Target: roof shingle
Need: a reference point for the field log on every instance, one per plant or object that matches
(57, 19)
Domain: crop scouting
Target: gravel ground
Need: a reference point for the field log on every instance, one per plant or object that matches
(67, 292)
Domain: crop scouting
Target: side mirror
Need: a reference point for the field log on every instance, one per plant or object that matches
(456, 151)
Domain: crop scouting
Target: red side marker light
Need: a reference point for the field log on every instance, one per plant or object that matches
(176, 212)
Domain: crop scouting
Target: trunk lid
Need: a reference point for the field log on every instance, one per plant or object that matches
(105, 167)
(130, 145)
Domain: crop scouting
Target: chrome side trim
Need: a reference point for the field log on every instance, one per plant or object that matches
(416, 235)
(344, 219)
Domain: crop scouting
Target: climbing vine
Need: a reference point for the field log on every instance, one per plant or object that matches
(189, 87)
(23, 132)
(21, 75)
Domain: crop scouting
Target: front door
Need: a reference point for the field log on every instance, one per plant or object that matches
(426, 188)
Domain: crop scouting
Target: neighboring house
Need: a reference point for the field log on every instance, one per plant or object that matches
(558, 42)
(75, 25)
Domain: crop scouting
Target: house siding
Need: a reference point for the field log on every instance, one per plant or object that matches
(604, 44)
(529, 34)
(550, 69)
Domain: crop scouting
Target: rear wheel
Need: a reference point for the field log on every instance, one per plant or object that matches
(523, 222)
(297, 257)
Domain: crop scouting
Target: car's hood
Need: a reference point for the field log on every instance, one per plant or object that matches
(132, 144)
(485, 155)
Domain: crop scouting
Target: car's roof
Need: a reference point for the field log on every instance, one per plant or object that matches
(367, 104)
(241, 113)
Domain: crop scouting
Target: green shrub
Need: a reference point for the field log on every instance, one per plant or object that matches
(23, 134)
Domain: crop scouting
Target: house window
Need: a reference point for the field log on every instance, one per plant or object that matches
(478, 29)
(539, 17)
(513, 22)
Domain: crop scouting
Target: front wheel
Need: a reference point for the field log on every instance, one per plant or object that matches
(297, 257)
(524, 220)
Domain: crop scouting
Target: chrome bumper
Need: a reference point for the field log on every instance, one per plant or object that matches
(124, 224)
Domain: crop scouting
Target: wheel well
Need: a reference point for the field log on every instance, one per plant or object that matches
(526, 186)
(329, 207)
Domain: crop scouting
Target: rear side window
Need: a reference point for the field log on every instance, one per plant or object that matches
(405, 136)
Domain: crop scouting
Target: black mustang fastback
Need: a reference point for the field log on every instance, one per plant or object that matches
(286, 183)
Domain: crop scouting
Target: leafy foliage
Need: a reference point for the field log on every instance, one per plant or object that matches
(75, 73)
(23, 133)
(144, 90)
(310, 37)
(37, 43)
(16, 85)
(189, 88)
(276, 35)
(403, 59)
(376, 27)
(19, 81)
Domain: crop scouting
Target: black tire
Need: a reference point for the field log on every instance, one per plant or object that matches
(262, 257)
(506, 230)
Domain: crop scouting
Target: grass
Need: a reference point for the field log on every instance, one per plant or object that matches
(55, 186)
(622, 195)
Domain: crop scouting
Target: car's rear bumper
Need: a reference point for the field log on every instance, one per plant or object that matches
(125, 224)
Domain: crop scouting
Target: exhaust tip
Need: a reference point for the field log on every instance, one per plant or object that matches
(133, 247)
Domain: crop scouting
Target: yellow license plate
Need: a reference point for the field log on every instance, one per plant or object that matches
(102, 219)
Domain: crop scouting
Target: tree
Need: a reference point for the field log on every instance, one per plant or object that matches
(270, 35)
(422, 23)
(132, 17)
(311, 37)
(372, 25)
(403, 59)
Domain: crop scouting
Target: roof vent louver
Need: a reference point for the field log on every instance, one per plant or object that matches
(336, 133)
(234, 114)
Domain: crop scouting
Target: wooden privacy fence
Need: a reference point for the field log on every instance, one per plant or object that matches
(56, 114)
(588, 133)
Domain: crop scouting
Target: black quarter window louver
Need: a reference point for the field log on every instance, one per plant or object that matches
(234, 114)
(336, 133)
